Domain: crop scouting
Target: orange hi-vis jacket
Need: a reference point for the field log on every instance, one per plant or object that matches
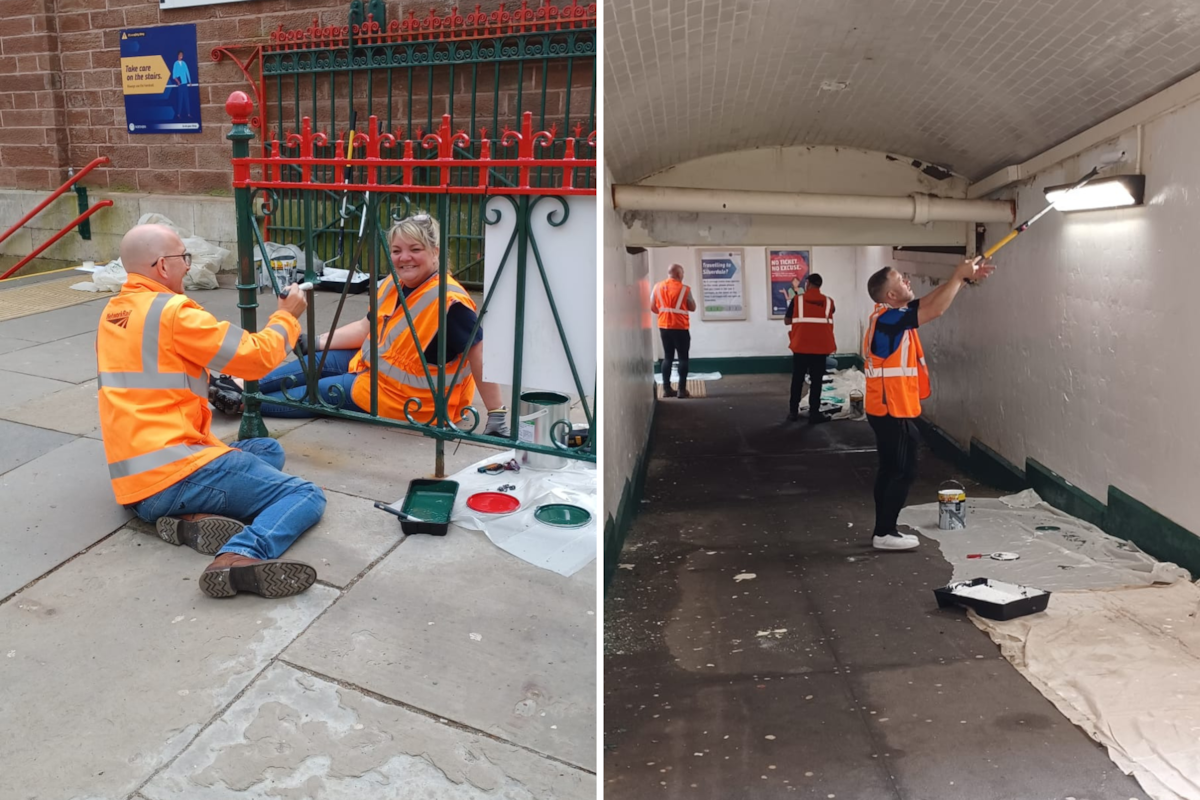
(401, 377)
(671, 297)
(896, 385)
(812, 323)
(154, 350)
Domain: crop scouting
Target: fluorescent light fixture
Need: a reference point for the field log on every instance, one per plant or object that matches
(1115, 192)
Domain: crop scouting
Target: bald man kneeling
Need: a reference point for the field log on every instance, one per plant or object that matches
(154, 350)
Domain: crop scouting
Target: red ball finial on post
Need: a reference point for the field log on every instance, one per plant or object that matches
(239, 108)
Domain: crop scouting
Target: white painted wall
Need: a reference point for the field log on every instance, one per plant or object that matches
(842, 269)
(628, 404)
(1080, 350)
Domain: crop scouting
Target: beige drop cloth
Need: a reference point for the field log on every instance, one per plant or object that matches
(1124, 665)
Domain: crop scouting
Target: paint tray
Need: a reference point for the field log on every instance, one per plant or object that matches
(993, 599)
(431, 502)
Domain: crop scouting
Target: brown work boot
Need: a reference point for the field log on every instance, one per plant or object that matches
(683, 392)
(231, 573)
(204, 533)
(668, 391)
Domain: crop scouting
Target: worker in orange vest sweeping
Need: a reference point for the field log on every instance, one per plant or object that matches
(154, 349)
(673, 302)
(897, 382)
(809, 319)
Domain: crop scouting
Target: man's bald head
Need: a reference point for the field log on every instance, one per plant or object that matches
(675, 271)
(144, 245)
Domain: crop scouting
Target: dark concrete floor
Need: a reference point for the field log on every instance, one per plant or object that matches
(831, 674)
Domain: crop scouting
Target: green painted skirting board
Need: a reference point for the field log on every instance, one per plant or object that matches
(996, 470)
(616, 529)
(1132, 520)
(757, 365)
(1124, 517)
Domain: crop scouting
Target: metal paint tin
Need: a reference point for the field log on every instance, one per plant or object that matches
(952, 507)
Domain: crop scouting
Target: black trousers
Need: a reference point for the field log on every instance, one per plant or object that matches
(675, 340)
(813, 366)
(896, 440)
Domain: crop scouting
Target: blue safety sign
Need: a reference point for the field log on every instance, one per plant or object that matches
(160, 81)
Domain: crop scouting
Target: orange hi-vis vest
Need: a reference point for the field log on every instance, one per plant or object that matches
(154, 350)
(812, 324)
(401, 377)
(896, 385)
(671, 298)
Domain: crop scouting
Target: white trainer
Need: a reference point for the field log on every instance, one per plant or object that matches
(895, 541)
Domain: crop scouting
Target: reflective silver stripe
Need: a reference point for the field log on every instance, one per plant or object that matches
(282, 331)
(153, 380)
(423, 302)
(227, 350)
(678, 308)
(418, 381)
(153, 460)
(898, 372)
(150, 332)
(819, 320)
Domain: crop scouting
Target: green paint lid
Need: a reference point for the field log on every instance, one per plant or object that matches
(562, 515)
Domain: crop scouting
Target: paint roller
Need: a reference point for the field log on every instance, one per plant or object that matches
(1105, 161)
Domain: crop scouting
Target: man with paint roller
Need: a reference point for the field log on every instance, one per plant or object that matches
(672, 301)
(154, 349)
(897, 382)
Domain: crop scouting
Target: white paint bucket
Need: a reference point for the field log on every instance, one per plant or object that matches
(952, 507)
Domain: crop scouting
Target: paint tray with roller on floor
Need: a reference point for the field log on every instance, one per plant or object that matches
(425, 508)
(993, 599)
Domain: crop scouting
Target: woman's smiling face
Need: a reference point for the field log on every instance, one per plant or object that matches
(414, 262)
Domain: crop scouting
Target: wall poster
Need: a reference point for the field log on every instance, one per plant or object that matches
(723, 284)
(787, 276)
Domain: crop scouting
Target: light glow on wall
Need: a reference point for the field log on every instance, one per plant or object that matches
(1116, 192)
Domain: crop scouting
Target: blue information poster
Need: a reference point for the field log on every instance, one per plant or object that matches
(160, 81)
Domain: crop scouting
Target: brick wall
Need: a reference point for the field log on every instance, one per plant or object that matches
(61, 103)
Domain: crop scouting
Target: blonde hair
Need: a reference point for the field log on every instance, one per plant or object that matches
(420, 228)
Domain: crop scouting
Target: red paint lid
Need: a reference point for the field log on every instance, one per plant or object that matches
(493, 503)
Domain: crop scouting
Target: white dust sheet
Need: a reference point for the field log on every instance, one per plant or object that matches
(837, 393)
(1117, 651)
(561, 550)
(1077, 556)
(1123, 665)
(692, 376)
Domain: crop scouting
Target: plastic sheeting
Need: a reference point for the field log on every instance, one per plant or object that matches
(692, 376)
(1076, 556)
(561, 550)
(1122, 665)
(837, 392)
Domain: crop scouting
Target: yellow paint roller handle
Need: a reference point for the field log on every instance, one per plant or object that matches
(991, 251)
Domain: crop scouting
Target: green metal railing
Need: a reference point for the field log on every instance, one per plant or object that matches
(485, 70)
(509, 176)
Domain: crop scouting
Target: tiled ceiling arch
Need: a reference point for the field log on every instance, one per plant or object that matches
(973, 85)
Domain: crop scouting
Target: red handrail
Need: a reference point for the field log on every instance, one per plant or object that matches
(91, 166)
(57, 236)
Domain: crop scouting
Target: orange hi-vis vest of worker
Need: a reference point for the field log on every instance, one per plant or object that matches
(154, 350)
(401, 376)
(896, 385)
(812, 323)
(671, 298)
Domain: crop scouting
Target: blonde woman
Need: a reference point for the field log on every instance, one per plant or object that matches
(414, 254)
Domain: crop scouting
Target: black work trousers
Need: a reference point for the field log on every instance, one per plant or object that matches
(675, 340)
(896, 440)
(813, 366)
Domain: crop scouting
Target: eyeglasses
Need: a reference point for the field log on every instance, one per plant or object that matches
(187, 258)
(421, 218)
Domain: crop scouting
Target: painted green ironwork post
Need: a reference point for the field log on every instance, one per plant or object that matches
(519, 336)
(239, 108)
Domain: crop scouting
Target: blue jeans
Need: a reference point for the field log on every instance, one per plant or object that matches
(334, 373)
(245, 484)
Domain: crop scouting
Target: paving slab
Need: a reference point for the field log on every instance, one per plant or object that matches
(61, 323)
(799, 736)
(54, 507)
(350, 536)
(977, 728)
(9, 343)
(72, 359)
(116, 661)
(367, 460)
(20, 388)
(74, 410)
(457, 627)
(293, 735)
(24, 443)
(225, 427)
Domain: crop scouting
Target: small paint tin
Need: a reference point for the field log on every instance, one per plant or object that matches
(952, 507)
